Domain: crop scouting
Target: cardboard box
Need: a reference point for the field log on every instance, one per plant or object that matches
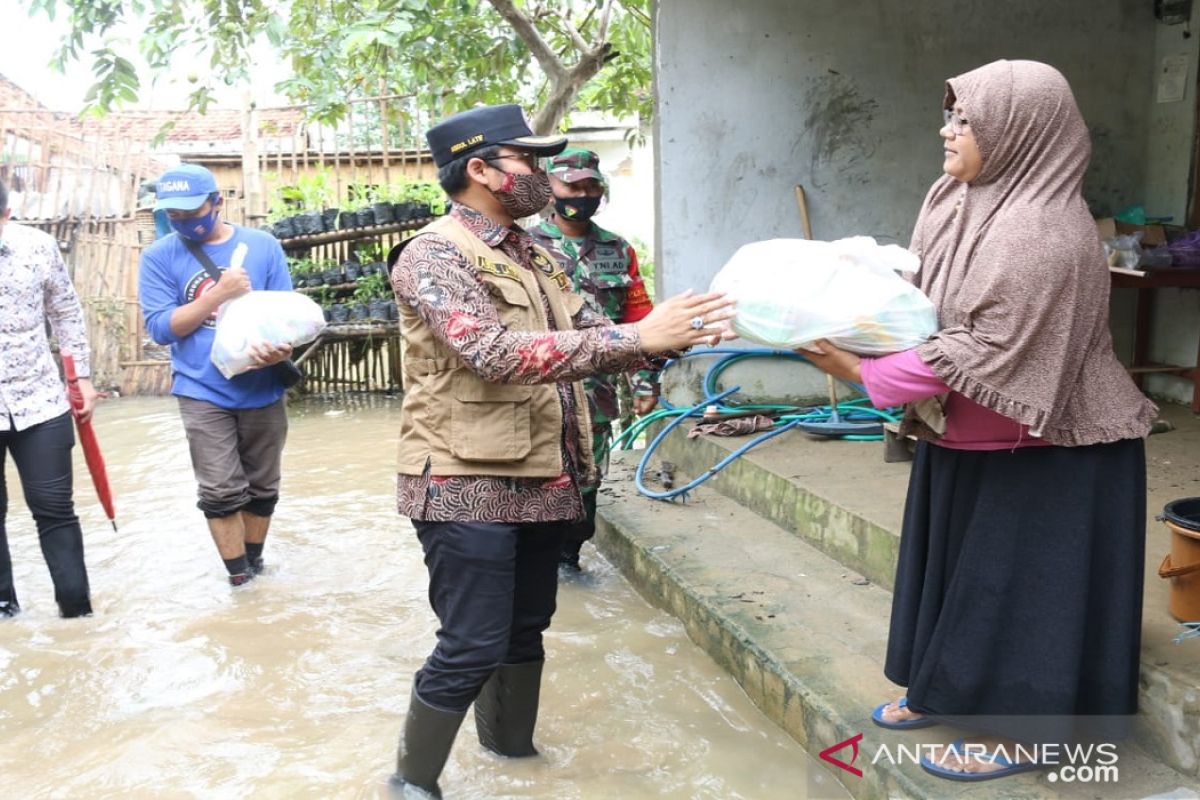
(1152, 235)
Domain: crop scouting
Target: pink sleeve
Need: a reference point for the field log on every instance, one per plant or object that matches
(899, 378)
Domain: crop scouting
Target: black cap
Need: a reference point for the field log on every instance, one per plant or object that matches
(471, 130)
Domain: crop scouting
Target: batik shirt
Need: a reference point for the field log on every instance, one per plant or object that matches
(604, 269)
(34, 288)
(435, 279)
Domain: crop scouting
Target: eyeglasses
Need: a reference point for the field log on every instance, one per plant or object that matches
(956, 123)
(528, 159)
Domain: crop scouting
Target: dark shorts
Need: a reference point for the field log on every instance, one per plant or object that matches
(236, 455)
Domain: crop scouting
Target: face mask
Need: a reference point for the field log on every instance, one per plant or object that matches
(197, 229)
(577, 209)
(524, 195)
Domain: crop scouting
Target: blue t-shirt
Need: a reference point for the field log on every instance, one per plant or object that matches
(170, 277)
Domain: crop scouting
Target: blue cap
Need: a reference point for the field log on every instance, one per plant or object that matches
(184, 188)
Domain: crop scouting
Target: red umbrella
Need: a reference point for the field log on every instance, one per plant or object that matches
(87, 439)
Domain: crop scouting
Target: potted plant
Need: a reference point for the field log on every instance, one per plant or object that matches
(298, 269)
(324, 298)
(360, 198)
(359, 309)
(314, 195)
(351, 270)
(331, 271)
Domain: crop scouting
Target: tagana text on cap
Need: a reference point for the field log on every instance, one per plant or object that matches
(468, 131)
(184, 188)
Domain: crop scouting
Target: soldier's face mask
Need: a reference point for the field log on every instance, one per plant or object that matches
(577, 209)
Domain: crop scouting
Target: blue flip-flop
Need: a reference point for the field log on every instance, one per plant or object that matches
(958, 746)
(902, 725)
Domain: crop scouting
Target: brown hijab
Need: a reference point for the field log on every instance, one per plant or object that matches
(1013, 264)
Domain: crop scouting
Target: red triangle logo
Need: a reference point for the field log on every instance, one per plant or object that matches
(852, 742)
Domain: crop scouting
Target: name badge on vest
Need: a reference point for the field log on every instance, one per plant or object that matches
(496, 268)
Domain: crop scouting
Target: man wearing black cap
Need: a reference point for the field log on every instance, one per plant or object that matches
(495, 437)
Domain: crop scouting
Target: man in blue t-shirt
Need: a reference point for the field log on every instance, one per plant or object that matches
(236, 426)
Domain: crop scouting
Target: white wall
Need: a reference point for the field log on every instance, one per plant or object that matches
(845, 98)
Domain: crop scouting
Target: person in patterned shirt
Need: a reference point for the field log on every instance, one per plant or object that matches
(495, 441)
(35, 418)
(603, 268)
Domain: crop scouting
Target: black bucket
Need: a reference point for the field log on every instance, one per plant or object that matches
(1184, 512)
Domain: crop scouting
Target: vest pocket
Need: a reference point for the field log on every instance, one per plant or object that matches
(489, 421)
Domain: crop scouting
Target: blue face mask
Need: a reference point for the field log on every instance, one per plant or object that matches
(197, 229)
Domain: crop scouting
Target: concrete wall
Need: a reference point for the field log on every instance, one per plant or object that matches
(1168, 169)
(845, 98)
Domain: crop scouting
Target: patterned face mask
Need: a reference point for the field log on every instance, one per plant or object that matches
(524, 195)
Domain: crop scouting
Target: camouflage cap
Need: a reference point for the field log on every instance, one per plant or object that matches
(575, 164)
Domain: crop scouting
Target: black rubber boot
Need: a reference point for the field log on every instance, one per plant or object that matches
(506, 709)
(428, 736)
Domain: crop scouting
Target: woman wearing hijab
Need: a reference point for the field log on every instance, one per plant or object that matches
(1019, 585)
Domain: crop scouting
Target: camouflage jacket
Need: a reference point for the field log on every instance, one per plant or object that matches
(604, 269)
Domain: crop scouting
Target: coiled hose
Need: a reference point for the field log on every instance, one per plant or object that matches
(786, 417)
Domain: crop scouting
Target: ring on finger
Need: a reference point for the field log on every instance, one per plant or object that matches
(697, 323)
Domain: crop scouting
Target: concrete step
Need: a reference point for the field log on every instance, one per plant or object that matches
(805, 638)
(841, 498)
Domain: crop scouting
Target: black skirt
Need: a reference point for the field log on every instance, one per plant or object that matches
(1019, 587)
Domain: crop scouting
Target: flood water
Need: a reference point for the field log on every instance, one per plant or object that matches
(295, 686)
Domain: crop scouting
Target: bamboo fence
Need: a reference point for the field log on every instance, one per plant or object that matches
(82, 188)
(82, 182)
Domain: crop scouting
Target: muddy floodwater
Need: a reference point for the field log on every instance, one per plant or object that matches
(295, 686)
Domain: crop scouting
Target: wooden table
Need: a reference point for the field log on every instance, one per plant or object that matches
(1144, 282)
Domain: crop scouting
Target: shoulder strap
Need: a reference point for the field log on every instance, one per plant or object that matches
(198, 253)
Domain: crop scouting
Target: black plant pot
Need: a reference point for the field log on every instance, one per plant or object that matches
(381, 269)
(338, 312)
(400, 212)
(329, 218)
(285, 228)
(328, 314)
(393, 311)
(423, 211)
(309, 223)
(351, 269)
(366, 270)
(333, 277)
(363, 217)
(383, 213)
(347, 219)
(359, 312)
(377, 309)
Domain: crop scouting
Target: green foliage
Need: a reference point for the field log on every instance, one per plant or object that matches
(325, 297)
(373, 287)
(443, 55)
(369, 252)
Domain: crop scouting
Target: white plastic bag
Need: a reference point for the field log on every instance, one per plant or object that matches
(276, 318)
(792, 292)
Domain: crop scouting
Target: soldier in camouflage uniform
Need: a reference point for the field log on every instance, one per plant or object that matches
(604, 269)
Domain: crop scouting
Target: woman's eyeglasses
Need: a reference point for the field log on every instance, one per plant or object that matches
(956, 123)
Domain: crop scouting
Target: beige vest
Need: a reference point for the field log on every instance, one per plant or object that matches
(460, 424)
